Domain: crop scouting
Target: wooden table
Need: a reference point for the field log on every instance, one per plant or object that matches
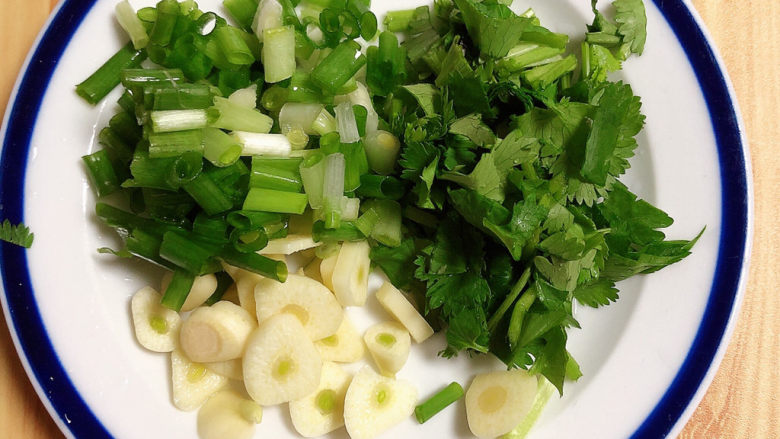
(743, 400)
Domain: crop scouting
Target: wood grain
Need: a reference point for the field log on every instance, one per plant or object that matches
(743, 400)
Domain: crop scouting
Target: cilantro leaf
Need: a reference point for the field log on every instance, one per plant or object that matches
(527, 217)
(396, 262)
(598, 293)
(493, 26)
(633, 218)
(631, 23)
(472, 127)
(603, 138)
(17, 234)
(426, 96)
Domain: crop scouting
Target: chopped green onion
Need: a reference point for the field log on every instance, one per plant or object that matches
(105, 78)
(297, 137)
(387, 230)
(382, 149)
(165, 22)
(312, 172)
(208, 195)
(126, 127)
(133, 78)
(356, 164)
(267, 16)
(178, 289)
(269, 177)
(338, 67)
(438, 402)
(146, 246)
(230, 116)
(345, 116)
(182, 251)
(245, 97)
(421, 217)
(294, 114)
(350, 208)
(243, 11)
(147, 15)
(220, 148)
(173, 144)
(274, 98)
(398, 21)
(333, 189)
(126, 102)
(210, 228)
(178, 120)
(380, 186)
(517, 288)
(185, 168)
(278, 53)
(166, 205)
(255, 263)
(267, 200)
(233, 46)
(224, 281)
(130, 22)
(346, 231)
(263, 144)
(101, 173)
(251, 220)
(115, 146)
(302, 89)
(324, 123)
(368, 25)
(287, 163)
(248, 241)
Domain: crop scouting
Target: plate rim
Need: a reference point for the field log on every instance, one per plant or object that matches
(76, 419)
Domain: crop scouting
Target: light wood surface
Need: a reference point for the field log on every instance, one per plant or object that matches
(743, 401)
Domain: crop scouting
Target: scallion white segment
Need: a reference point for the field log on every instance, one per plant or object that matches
(345, 117)
(313, 178)
(382, 149)
(278, 53)
(275, 145)
(350, 208)
(268, 16)
(245, 97)
(178, 120)
(295, 114)
(324, 123)
(361, 97)
(130, 22)
(333, 186)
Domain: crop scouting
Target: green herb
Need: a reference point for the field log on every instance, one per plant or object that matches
(17, 234)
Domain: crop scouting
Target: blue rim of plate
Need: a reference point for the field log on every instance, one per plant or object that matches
(65, 400)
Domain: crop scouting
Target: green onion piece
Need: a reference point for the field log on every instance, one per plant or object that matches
(386, 64)
(208, 195)
(182, 251)
(105, 78)
(231, 116)
(181, 97)
(398, 21)
(146, 245)
(268, 16)
(220, 148)
(380, 186)
(382, 149)
(224, 281)
(117, 150)
(324, 123)
(210, 228)
(255, 263)
(126, 127)
(178, 120)
(133, 78)
(368, 25)
(101, 173)
(350, 208)
(237, 78)
(296, 136)
(166, 205)
(278, 53)
(248, 241)
(147, 15)
(164, 24)
(276, 145)
(175, 143)
(274, 98)
(185, 168)
(126, 102)
(366, 222)
(233, 45)
(268, 177)
(251, 220)
(361, 116)
(294, 114)
(245, 97)
(287, 164)
(349, 24)
(312, 171)
(333, 189)
(387, 230)
(438, 402)
(130, 22)
(268, 200)
(178, 290)
(150, 172)
(346, 231)
(243, 11)
(330, 143)
(356, 164)
(338, 67)
(302, 89)
(345, 116)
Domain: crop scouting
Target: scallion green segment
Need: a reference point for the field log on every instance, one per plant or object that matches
(105, 78)
(178, 289)
(269, 200)
(101, 173)
(338, 67)
(438, 402)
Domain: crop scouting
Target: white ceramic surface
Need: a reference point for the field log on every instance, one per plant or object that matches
(629, 351)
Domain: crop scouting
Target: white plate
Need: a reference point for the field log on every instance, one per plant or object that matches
(646, 359)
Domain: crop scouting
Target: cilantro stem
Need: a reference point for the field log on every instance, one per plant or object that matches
(509, 300)
(518, 314)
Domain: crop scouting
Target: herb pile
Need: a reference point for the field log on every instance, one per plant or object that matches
(502, 209)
